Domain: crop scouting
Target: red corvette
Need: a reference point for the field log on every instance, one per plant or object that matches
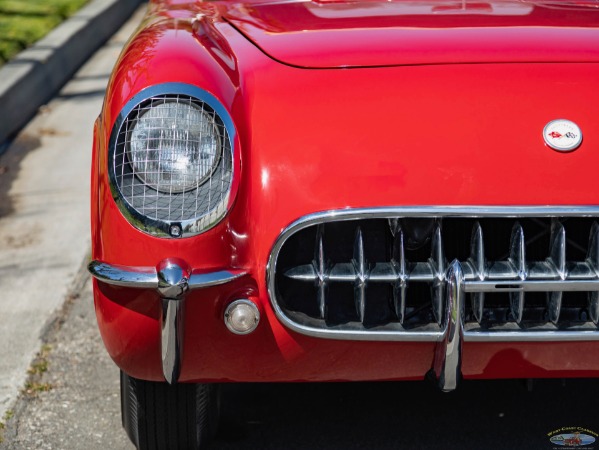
(345, 190)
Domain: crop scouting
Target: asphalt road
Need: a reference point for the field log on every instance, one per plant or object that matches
(74, 403)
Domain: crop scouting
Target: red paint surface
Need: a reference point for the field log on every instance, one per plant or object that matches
(382, 33)
(315, 140)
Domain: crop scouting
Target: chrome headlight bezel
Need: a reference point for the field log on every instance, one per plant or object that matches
(173, 212)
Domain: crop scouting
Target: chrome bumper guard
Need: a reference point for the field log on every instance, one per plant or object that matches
(172, 283)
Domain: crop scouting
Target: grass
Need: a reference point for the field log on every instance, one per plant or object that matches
(34, 384)
(39, 366)
(7, 416)
(23, 22)
(33, 387)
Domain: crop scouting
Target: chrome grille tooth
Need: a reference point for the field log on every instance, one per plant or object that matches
(306, 272)
(517, 305)
(594, 306)
(554, 306)
(478, 263)
(399, 301)
(518, 260)
(593, 262)
(361, 275)
(320, 266)
(593, 250)
(398, 261)
(478, 305)
(393, 225)
(342, 272)
(557, 250)
(382, 273)
(437, 264)
(360, 299)
(319, 258)
(322, 300)
(359, 258)
(437, 255)
(477, 251)
(518, 251)
(557, 259)
(399, 256)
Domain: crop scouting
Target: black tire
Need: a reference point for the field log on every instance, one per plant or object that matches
(159, 416)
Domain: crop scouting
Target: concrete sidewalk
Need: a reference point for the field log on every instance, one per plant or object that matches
(35, 75)
(44, 214)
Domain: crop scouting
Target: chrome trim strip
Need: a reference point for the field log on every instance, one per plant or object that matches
(371, 335)
(530, 336)
(172, 283)
(532, 285)
(136, 277)
(205, 280)
(474, 285)
(147, 278)
(447, 363)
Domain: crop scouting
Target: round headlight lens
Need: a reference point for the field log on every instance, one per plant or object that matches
(174, 146)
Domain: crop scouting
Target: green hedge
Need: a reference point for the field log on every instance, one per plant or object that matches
(22, 22)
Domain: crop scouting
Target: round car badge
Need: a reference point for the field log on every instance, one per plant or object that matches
(562, 135)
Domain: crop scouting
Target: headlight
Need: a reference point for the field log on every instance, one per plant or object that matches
(174, 147)
(171, 160)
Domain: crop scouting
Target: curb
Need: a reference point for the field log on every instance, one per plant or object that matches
(36, 74)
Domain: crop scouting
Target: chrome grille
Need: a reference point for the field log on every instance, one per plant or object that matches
(381, 275)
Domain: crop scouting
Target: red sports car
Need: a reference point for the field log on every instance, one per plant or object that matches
(345, 190)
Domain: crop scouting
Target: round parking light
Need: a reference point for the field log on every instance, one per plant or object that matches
(242, 317)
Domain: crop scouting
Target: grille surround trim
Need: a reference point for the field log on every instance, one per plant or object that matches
(473, 212)
(203, 221)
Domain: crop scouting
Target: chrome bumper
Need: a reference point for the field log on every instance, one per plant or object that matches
(172, 283)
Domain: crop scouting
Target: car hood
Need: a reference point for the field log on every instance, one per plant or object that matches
(368, 33)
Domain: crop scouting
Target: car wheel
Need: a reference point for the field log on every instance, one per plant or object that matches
(161, 416)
